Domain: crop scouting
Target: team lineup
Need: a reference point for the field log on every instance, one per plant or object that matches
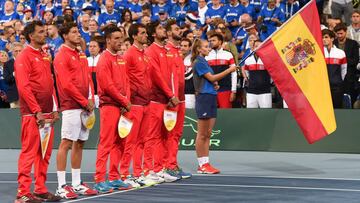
(141, 104)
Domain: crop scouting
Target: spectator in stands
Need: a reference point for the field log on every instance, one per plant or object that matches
(7, 19)
(110, 16)
(342, 9)
(54, 40)
(3, 86)
(135, 9)
(257, 80)
(19, 27)
(233, 12)
(94, 49)
(28, 15)
(88, 8)
(60, 8)
(351, 49)
(5, 38)
(123, 32)
(227, 45)
(84, 28)
(20, 10)
(332, 22)
(22, 39)
(159, 7)
(220, 60)
(240, 35)
(179, 11)
(12, 92)
(126, 19)
(353, 31)
(189, 34)
(336, 65)
(93, 27)
(185, 49)
(145, 20)
(250, 9)
(245, 47)
(127, 43)
(215, 11)
(122, 50)
(290, 7)
(270, 17)
(145, 11)
(202, 10)
(48, 16)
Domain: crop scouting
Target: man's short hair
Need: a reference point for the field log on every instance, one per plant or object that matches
(328, 32)
(65, 29)
(186, 40)
(30, 29)
(169, 23)
(109, 29)
(151, 29)
(134, 30)
(339, 27)
(218, 36)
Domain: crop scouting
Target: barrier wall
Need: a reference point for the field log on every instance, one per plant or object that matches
(236, 129)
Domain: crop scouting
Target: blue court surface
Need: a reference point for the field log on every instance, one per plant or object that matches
(246, 177)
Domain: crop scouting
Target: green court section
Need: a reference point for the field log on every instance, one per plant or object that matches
(236, 129)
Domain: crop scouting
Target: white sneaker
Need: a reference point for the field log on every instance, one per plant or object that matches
(167, 177)
(154, 177)
(131, 181)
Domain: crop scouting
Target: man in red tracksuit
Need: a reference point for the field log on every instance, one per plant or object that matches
(140, 84)
(172, 142)
(76, 97)
(114, 94)
(164, 91)
(37, 103)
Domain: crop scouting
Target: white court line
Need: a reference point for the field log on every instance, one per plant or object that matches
(244, 176)
(104, 195)
(267, 187)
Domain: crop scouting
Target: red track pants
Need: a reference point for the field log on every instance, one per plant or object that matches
(223, 99)
(172, 141)
(109, 144)
(31, 155)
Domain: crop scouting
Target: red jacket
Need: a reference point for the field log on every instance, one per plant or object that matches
(139, 76)
(34, 82)
(113, 83)
(180, 69)
(161, 63)
(72, 78)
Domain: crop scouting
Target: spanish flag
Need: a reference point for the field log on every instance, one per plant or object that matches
(294, 59)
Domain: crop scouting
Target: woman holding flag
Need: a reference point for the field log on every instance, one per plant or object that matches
(206, 84)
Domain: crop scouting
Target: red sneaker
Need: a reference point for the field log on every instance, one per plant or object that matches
(28, 198)
(207, 169)
(84, 189)
(66, 192)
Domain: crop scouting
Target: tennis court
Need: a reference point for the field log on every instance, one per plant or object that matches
(246, 177)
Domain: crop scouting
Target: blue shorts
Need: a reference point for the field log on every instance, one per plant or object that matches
(206, 106)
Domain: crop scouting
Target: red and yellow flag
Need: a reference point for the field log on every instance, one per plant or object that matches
(294, 59)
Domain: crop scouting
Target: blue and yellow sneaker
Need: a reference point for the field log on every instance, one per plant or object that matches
(103, 187)
(118, 185)
(182, 173)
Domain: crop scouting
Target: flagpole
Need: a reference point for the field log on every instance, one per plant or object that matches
(293, 16)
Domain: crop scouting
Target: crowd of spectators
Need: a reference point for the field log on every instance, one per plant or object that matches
(240, 22)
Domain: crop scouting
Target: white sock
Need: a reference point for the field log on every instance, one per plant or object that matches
(75, 174)
(61, 178)
(203, 160)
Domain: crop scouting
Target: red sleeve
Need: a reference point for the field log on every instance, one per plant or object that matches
(91, 87)
(106, 83)
(156, 75)
(65, 80)
(22, 73)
